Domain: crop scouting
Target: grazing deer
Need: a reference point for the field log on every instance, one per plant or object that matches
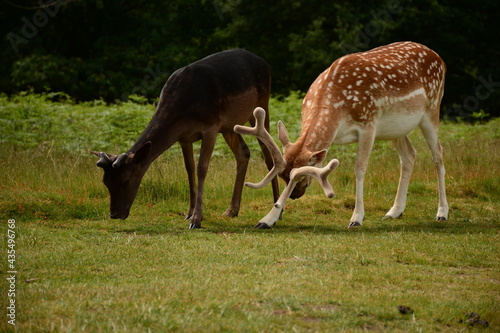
(381, 94)
(207, 97)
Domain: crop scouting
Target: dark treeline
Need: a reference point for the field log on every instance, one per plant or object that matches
(94, 49)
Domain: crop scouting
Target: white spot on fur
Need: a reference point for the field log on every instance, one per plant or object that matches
(339, 104)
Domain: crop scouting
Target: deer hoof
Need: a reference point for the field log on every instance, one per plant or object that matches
(440, 218)
(188, 217)
(261, 225)
(193, 225)
(390, 217)
(230, 213)
(354, 224)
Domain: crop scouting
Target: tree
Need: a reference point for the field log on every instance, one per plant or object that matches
(110, 49)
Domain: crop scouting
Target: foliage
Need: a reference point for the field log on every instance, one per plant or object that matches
(94, 49)
(33, 120)
(30, 120)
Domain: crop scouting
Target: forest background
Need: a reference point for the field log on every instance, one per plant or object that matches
(109, 50)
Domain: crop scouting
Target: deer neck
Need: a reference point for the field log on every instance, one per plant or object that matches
(321, 113)
(319, 126)
(161, 131)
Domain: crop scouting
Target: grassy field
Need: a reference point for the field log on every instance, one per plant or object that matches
(79, 271)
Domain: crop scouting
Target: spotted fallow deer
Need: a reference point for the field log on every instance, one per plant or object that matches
(381, 94)
(207, 97)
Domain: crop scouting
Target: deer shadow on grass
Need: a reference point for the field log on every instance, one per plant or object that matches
(230, 226)
(434, 227)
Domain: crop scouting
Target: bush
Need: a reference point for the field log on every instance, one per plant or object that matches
(30, 120)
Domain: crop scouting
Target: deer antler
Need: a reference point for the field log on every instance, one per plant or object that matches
(263, 135)
(320, 174)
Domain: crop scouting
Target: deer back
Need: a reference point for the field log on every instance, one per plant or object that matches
(396, 83)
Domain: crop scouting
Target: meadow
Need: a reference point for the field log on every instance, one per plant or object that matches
(79, 271)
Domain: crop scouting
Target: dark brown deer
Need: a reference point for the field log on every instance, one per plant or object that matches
(207, 97)
(381, 94)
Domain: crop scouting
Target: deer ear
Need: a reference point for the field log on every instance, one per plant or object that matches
(283, 135)
(142, 153)
(317, 157)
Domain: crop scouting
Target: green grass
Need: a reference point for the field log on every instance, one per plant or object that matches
(79, 271)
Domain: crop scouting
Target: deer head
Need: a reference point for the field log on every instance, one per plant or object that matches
(297, 157)
(122, 176)
(296, 172)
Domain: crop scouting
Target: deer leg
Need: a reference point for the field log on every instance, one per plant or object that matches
(407, 154)
(187, 152)
(431, 136)
(365, 145)
(207, 147)
(242, 155)
(274, 183)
